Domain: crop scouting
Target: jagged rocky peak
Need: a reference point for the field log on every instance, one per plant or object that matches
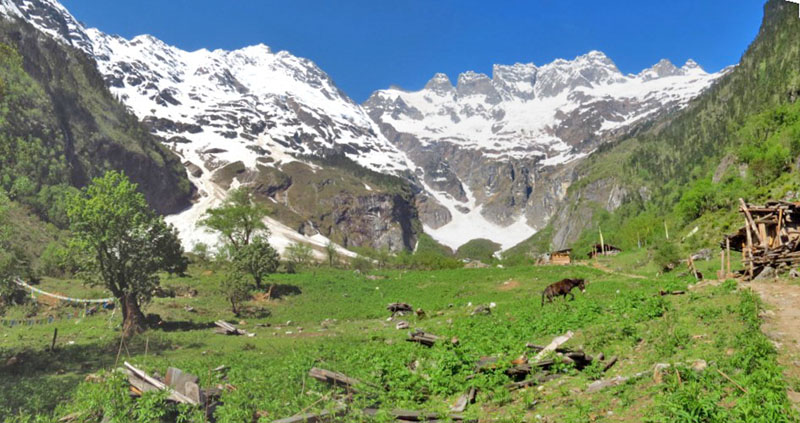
(50, 17)
(663, 68)
(515, 81)
(588, 70)
(693, 67)
(472, 83)
(440, 84)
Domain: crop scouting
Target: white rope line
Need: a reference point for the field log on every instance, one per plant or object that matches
(61, 297)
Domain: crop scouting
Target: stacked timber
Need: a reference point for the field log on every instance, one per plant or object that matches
(770, 237)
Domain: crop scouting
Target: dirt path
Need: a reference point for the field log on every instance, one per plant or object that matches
(782, 325)
(606, 269)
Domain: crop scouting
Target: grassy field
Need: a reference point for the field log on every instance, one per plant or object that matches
(337, 320)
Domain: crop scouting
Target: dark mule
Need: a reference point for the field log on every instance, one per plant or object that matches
(562, 288)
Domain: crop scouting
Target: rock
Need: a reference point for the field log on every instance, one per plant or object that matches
(767, 273)
(704, 254)
(401, 325)
(658, 372)
(482, 309)
(420, 313)
(699, 365)
(794, 274)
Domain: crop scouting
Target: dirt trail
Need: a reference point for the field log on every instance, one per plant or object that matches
(606, 269)
(782, 325)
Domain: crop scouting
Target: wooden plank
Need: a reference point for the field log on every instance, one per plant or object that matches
(323, 416)
(173, 395)
(555, 343)
(538, 380)
(334, 378)
(464, 400)
(610, 363)
(749, 218)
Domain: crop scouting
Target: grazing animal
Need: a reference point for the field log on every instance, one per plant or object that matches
(562, 288)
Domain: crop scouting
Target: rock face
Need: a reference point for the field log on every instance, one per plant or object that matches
(77, 120)
(498, 153)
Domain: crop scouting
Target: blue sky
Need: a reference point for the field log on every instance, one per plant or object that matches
(371, 44)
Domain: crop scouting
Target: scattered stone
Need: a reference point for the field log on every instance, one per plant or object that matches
(794, 274)
(768, 273)
(401, 325)
(420, 313)
(482, 309)
(699, 365)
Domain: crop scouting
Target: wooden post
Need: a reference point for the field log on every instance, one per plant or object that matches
(638, 240)
(666, 230)
(749, 248)
(778, 229)
(721, 265)
(602, 242)
(53, 344)
(749, 220)
(728, 249)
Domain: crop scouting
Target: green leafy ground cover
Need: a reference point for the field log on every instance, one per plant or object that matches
(344, 328)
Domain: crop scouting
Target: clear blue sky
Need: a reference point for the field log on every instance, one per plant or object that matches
(371, 44)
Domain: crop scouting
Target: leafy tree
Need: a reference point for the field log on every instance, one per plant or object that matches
(298, 256)
(236, 290)
(122, 243)
(238, 220)
(258, 259)
(331, 253)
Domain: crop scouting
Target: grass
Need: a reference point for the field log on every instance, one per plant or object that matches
(336, 319)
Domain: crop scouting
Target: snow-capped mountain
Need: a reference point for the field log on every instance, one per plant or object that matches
(496, 151)
(239, 117)
(490, 157)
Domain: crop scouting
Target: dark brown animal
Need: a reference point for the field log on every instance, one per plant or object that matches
(562, 288)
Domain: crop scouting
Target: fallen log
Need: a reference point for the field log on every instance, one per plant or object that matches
(665, 293)
(464, 400)
(533, 382)
(226, 328)
(417, 416)
(554, 344)
(322, 416)
(335, 379)
(610, 363)
(427, 339)
(396, 308)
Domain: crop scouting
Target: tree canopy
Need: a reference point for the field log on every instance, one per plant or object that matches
(238, 220)
(122, 243)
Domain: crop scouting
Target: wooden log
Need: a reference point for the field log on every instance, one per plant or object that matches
(416, 416)
(538, 380)
(554, 344)
(335, 378)
(464, 400)
(749, 219)
(426, 339)
(610, 363)
(322, 416)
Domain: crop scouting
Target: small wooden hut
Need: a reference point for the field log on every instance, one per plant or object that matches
(603, 250)
(770, 236)
(561, 257)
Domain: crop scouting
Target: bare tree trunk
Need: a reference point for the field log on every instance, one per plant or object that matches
(269, 292)
(133, 321)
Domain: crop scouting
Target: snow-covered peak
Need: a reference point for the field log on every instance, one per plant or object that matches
(661, 69)
(50, 17)
(440, 84)
(515, 80)
(691, 67)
